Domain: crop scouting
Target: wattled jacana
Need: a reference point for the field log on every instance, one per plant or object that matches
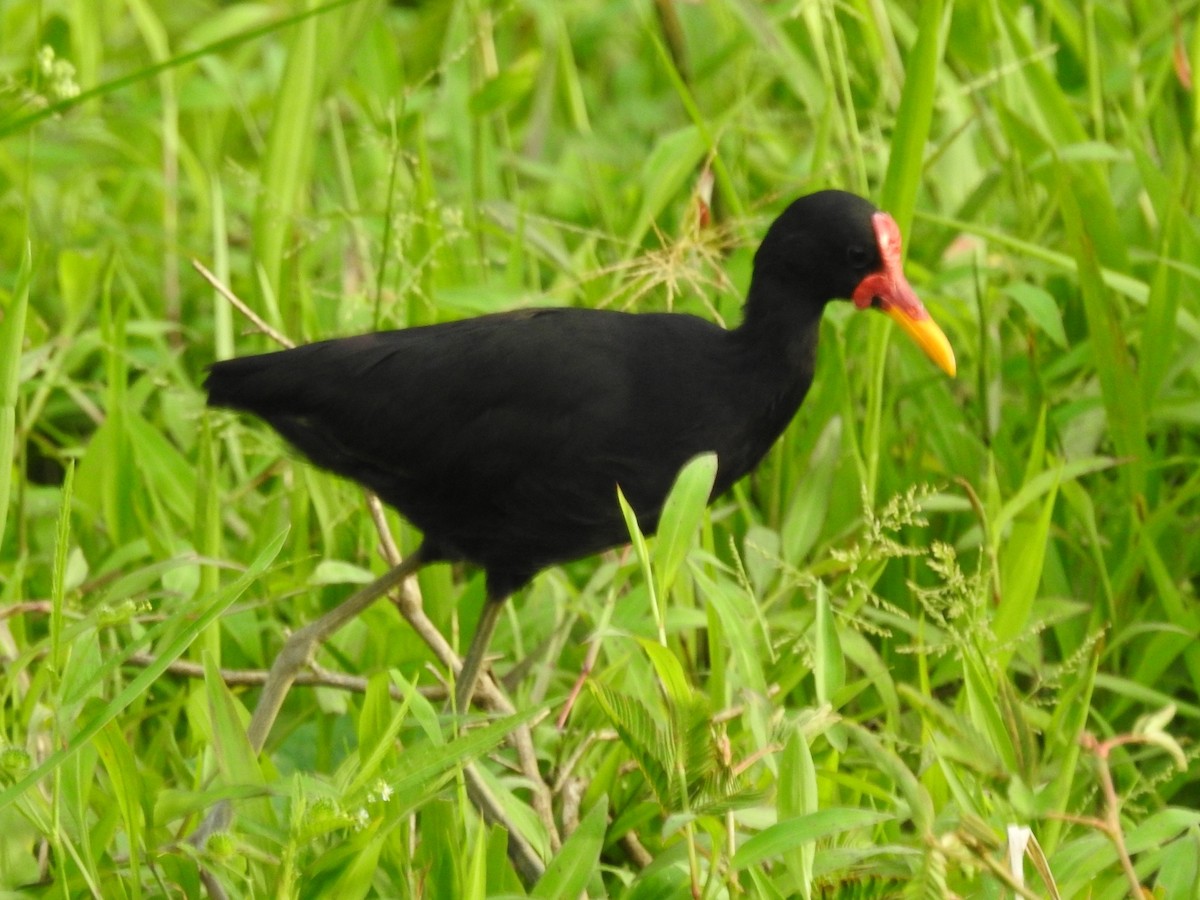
(504, 438)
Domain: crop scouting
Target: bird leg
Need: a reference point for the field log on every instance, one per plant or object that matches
(526, 860)
(296, 653)
(299, 647)
(472, 667)
(292, 657)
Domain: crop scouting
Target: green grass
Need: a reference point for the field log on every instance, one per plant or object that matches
(939, 609)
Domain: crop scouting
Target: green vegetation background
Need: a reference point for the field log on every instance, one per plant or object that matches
(941, 609)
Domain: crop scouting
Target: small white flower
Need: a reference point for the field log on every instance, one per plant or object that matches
(360, 819)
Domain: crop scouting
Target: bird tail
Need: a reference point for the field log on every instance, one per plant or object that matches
(256, 384)
(296, 381)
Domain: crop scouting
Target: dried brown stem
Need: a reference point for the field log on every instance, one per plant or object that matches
(1111, 823)
(316, 676)
(259, 323)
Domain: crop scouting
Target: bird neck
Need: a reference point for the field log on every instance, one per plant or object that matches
(774, 354)
(780, 326)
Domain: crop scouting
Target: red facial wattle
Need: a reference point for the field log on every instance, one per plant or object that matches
(889, 291)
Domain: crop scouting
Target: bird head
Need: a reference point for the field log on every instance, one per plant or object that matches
(836, 245)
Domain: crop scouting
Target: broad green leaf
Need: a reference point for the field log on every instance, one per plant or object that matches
(1022, 557)
(744, 624)
(475, 879)
(379, 723)
(1039, 305)
(356, 878)
(577, 862)
(796, 797)
(785, 836)
(1179, 874)
(236, 760)
(117, 754)
(168, 476)
(670, 166)
(670, 672)
(829, 663)
(681, 516)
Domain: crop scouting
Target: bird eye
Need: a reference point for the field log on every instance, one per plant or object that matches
(856, 256)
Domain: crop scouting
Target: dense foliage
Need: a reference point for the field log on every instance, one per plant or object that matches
(944, 617)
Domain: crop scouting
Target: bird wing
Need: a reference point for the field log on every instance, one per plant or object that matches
(522, 423)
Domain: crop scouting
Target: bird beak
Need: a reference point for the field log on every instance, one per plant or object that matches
(889, 291)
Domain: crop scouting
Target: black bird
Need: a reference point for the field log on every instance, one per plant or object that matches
(504, 437)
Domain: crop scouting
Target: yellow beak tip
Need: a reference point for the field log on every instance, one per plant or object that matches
(929, 337)
(948, 364)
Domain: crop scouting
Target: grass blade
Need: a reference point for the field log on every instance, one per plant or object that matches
(1119, 381)
(289, 149)
(140, 683)
(643, 555)
(682, 514)
(12, 334)
(21, 123)
(783, 837)
(796, 797)
(898, 197)
(913, 118)
(576, 863)
(829, 663)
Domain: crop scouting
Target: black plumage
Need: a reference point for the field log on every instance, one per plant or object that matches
(504, 437)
